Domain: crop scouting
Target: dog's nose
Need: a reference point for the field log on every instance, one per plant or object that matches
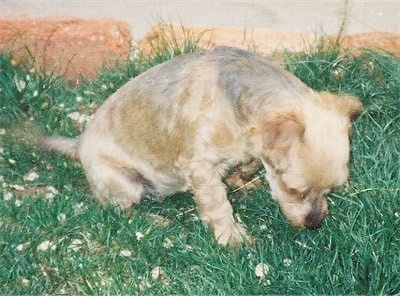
(314, 220)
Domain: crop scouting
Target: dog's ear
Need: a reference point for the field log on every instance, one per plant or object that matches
(280, 131)
(344, 103)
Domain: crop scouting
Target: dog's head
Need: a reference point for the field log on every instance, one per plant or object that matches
(305, 151)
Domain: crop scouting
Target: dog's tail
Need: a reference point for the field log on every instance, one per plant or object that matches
(28, 133)
(61, 145)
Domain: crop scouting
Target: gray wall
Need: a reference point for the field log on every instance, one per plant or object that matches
(299, 15)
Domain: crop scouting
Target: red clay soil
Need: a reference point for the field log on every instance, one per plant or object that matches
(80, 48)
(69, 46)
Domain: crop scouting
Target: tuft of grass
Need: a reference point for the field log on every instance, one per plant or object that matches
(166, 44)
(56, 239)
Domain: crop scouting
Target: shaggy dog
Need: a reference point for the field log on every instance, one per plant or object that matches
(182, 124)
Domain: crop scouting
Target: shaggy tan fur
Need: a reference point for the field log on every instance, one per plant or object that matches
(181, 125)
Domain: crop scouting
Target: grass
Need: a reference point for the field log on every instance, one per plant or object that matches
(55, 238)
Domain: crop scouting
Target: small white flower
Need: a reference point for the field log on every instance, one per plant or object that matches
(22, 247)
(43, 246)
(61, 217)
(18, 202)
(74, 116)
(35, 94)
(106, 281)
(104, 87)
(79, 98)
(157, 273)
(75, 245)
(168, 244)
(80, 118)
(49, 196)
(263, 227)
(51, 193)
(397, 215)
(261, 270)
(7, 195)
(2, 131)
(79, 207)
(12, 161)
(52, 189)
(18, 187)
(287, 262)
(32, 176)
(25, 282)
(125, 253)
(139, 235)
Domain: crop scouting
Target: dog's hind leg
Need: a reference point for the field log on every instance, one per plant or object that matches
(112, 175)
(114, 185)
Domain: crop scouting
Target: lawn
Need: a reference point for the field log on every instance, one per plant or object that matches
(56, 239)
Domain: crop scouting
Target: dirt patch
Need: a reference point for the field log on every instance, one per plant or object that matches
(69, 46)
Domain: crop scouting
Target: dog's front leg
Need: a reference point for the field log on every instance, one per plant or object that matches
(214, 207)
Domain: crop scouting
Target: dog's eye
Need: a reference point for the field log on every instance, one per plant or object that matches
(305, 193)
(302, 194)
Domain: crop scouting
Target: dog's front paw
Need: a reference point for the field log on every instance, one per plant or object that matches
(233, 236)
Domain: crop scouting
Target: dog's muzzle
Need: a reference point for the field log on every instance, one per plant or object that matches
(315, 218)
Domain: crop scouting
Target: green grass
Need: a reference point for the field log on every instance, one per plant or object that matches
(55, 238)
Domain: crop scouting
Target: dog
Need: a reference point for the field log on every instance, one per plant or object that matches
(182, 124)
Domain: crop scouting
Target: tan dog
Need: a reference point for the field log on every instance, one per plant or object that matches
(182, 124)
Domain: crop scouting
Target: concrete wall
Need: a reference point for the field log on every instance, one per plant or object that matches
(297, 15)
